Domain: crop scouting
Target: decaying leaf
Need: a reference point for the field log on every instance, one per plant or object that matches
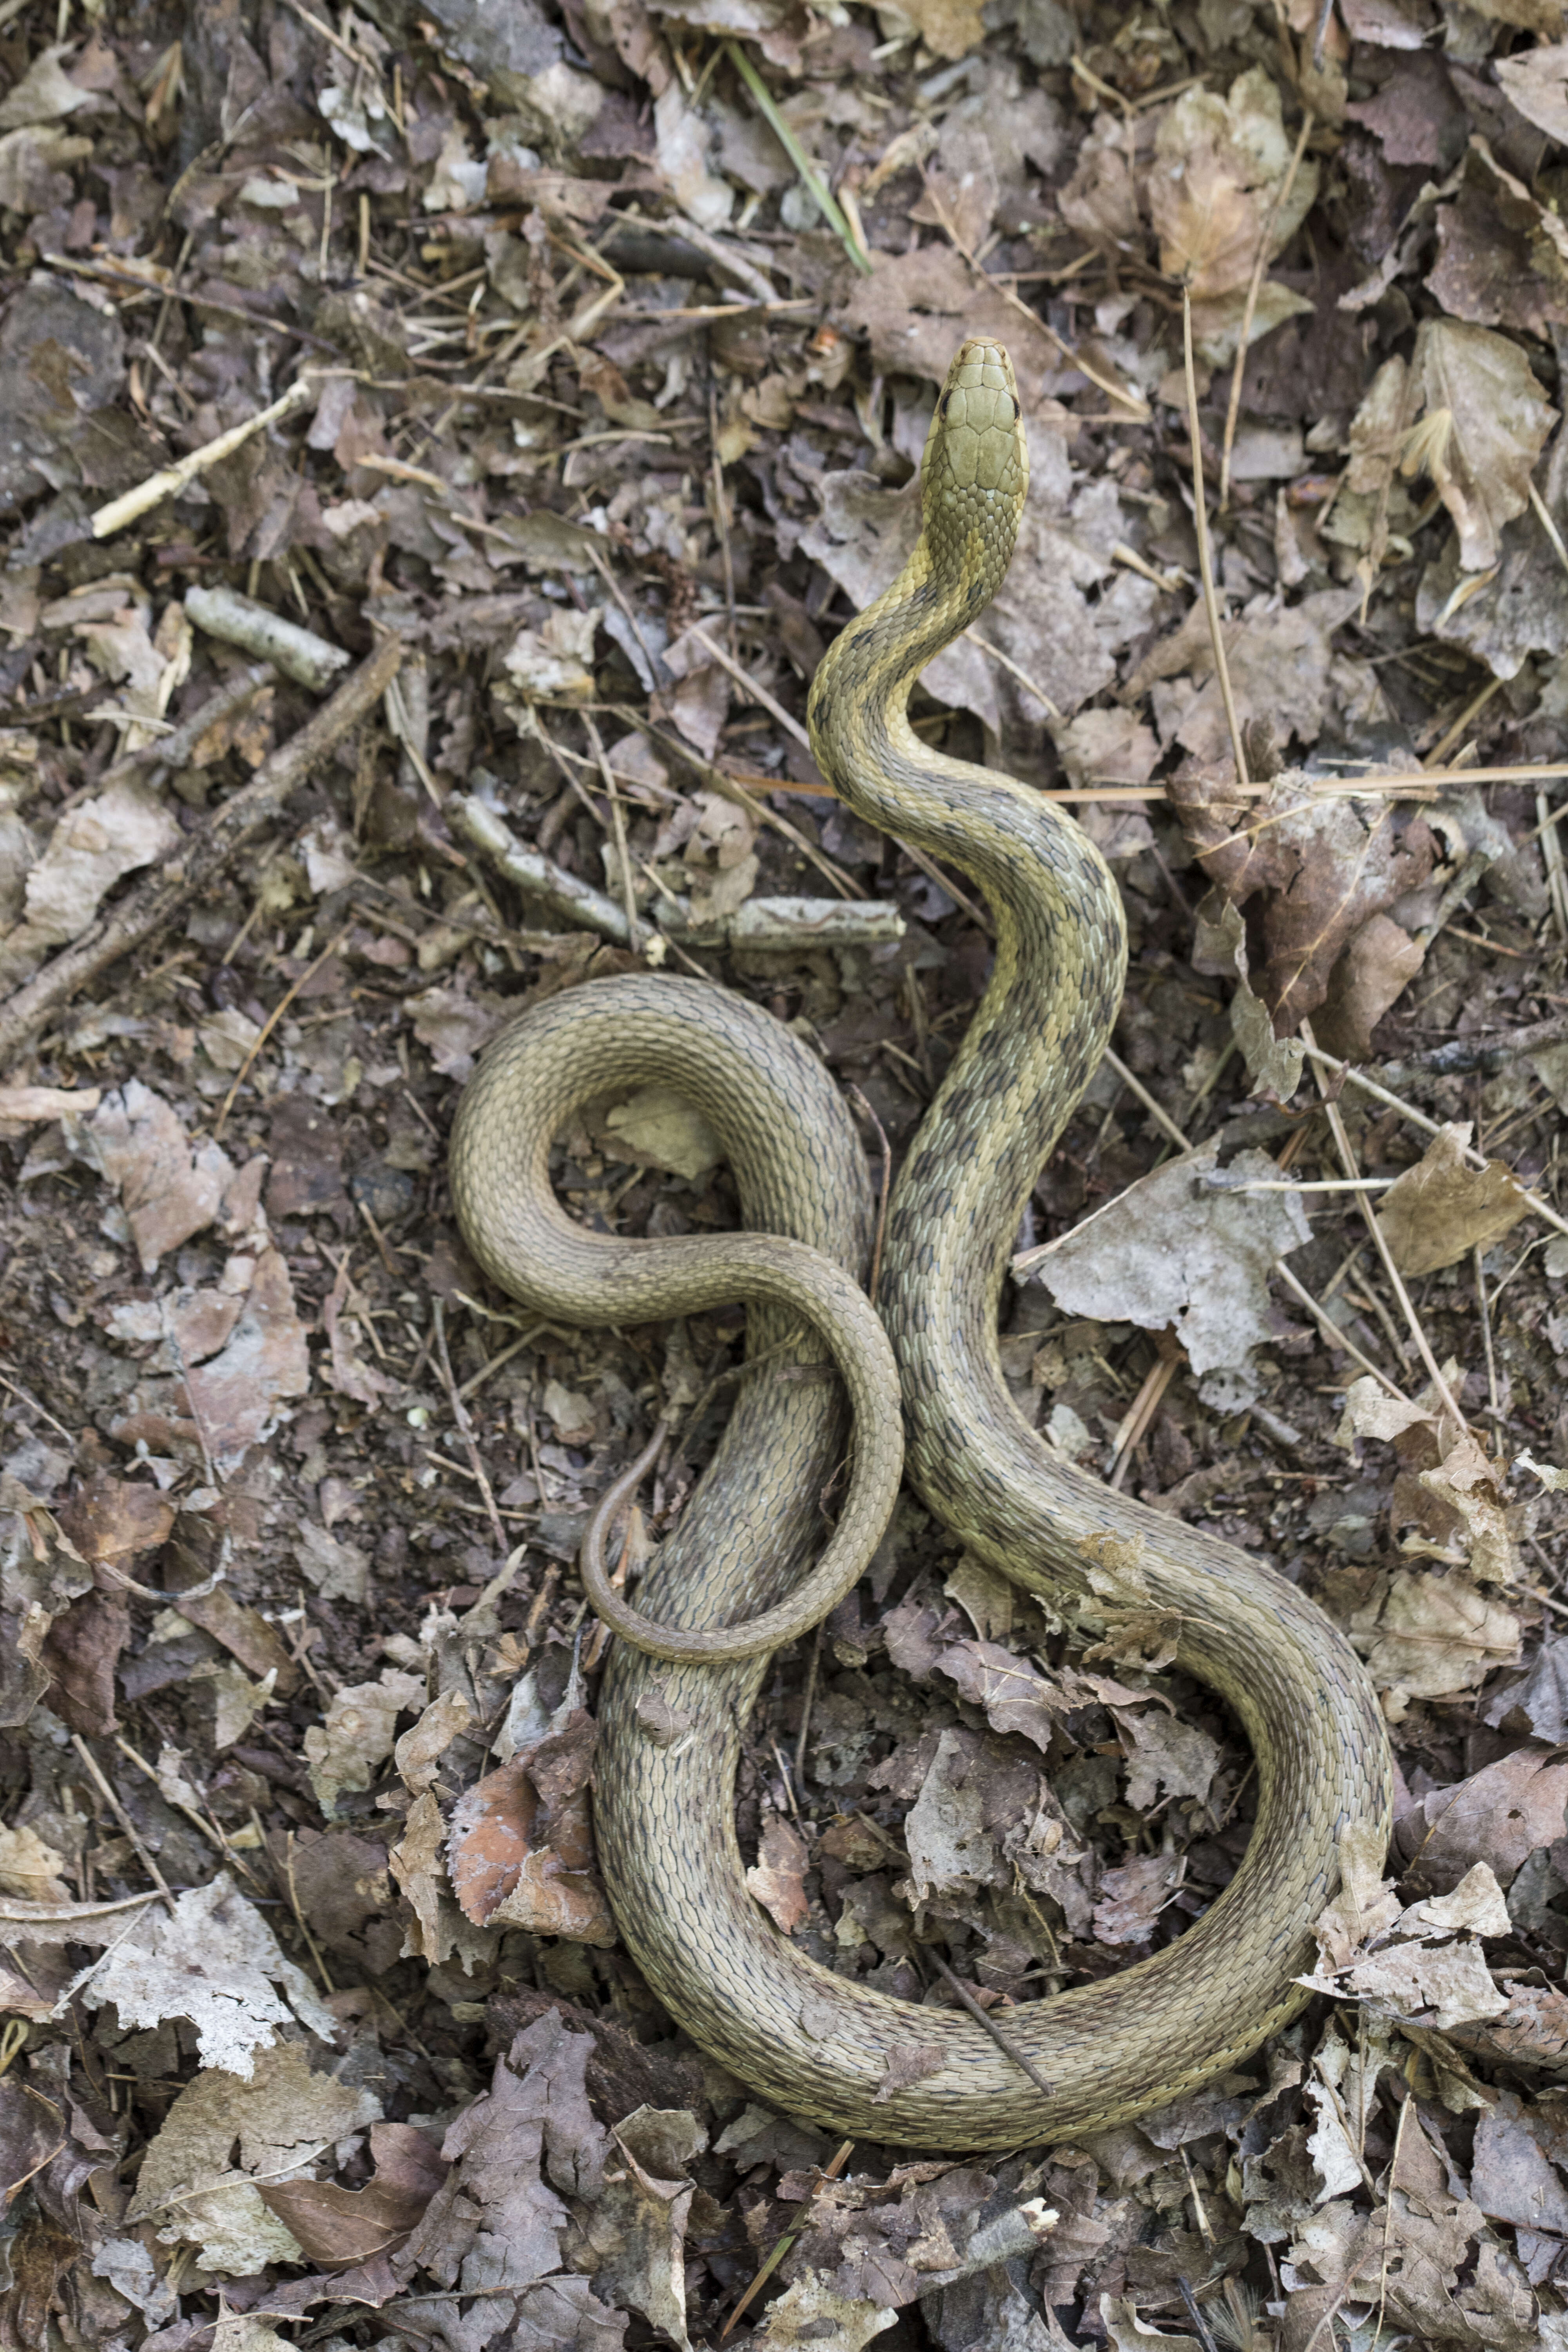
(1485, 420)
(522, 1852)
(1324, 866)
(1172, 1254)
(1441, 1209)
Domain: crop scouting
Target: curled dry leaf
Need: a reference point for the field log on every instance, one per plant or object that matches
(336, 2226)
(1485, 422)
(521, 1849)
(1324, 866)
(1219, 165)
(777, 1877)
(345, 1751)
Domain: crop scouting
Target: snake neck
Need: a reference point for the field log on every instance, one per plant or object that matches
(1045, 1017)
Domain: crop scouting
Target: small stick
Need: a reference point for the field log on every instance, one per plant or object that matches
(465, 1426)
(1253, 290)
(1338, 1339)
(1205, 561)
(1342, 1144)
(172, 479)
(122, 1817)
(791, 725)
(1004, 2042)
(830, 2171)
(273, 1018)
(1161, 1116)
(806, 1703)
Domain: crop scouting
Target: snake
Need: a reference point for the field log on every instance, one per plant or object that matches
(839, 1398)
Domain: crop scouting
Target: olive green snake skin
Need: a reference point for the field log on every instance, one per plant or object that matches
(814, 2042)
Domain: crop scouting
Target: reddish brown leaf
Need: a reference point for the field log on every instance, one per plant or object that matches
(337, 2225)
(81, 1651)
(114, 1519)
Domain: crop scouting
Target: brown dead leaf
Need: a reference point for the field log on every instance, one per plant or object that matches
(1219, 165)
(1533, 2031)
(949, 27)
(522, 1847)
(1325, 867)
(168, 1190)
(1537, 82)
(1501, 1815)
(31, 1868)
(337, 2226)
(1439, 1210)
(114, 1519)
(1015, 1698)
(81, 1651)
(1428, 1635)
(1132, 1897)
(1378, 964)
(777, 1877)
(1485, 423)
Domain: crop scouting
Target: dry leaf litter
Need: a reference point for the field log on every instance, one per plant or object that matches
(437, 445)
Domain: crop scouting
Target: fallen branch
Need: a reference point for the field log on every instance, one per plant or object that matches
(135, 919)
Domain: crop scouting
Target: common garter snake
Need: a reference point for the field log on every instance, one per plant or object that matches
(822, 2044)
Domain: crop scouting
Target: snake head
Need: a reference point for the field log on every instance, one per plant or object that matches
(975, 471)
(976, 439)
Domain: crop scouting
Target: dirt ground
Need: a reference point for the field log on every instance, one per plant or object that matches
(544, 388)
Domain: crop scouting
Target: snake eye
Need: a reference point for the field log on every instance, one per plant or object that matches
(1017, 408)
(944, 403)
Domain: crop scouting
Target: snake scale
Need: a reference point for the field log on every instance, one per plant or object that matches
(821, 2045)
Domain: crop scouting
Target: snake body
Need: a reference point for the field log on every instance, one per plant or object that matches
(822, 2045)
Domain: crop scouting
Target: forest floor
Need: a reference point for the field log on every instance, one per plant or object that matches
(545, 386)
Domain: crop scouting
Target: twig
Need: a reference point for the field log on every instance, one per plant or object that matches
(830, 2171)
(299, 653)
(1006, 661)
(1205, 560)
(465, 1426)
(1347, 1157)
(1462, 1055)
(202, 857)
(175, 749)
(1004, 2042)
(720, 780)
(1161, 1116)
(1367, 1086)
(810, 1693)
(1336, 1338)
(563, 893)
(122, 1817)
(273, 1018)
(759, 694)
(619, 828)
(1253, 290)
(820, 195)
(172, 479)
(212, 1831)
(1199, 2324)
(34, 1406)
